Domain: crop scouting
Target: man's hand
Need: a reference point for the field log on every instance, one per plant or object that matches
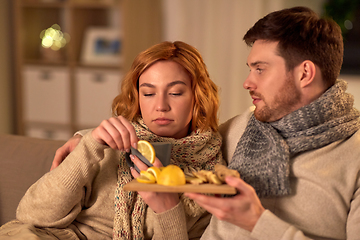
(242, 210)
(63, 151)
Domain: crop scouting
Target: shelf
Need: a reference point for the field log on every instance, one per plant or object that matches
(93, 4)
(55, 95)
(42, 4)
(45, 62)
(69, 4)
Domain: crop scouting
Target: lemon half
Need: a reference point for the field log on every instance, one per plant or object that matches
(171, 175)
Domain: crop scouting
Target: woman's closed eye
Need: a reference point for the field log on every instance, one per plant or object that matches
(176, 93)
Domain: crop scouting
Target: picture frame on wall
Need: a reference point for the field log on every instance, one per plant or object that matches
(102, 46)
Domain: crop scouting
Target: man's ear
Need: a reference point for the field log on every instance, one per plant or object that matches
(307, 72)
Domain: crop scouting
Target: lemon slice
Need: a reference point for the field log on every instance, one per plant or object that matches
(155, 171)
(146, 177)
(171, 175)
(147, 150)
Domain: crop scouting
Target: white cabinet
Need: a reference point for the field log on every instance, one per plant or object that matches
(46, 95)
(47, 99)
(94, 92)
(46, 102)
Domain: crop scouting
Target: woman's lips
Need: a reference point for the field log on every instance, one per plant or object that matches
(163, 121)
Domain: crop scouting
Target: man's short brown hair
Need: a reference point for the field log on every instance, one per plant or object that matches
(302, 35)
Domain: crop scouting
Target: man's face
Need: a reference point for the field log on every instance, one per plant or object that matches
(272, 88)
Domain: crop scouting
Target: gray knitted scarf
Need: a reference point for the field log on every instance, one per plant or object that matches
(262, 155)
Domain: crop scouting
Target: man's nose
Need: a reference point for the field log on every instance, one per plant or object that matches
(249, 83)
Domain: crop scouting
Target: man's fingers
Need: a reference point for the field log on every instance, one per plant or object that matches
(56, 162)
(61, 153)
(205, 200)
(211, 204)
(240, 185)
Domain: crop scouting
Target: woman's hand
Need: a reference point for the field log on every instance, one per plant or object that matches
(63, 151)
(158, 202)
(117, 133)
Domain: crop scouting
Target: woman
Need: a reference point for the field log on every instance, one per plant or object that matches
(167, 96)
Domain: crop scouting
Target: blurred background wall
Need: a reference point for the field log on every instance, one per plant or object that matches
(214, 27)
(6, 88)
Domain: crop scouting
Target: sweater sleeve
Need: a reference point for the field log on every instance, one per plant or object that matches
(174, 224)
(270, 227)
(353, 221)
(57, 198)
(83, 132)
(170, 224)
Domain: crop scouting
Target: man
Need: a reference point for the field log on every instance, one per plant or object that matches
(298, 151)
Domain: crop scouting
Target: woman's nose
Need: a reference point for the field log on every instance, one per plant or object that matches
(162, 104)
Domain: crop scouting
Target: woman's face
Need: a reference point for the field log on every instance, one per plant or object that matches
(166, 100)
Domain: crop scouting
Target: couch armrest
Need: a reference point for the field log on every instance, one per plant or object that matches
(23, 160)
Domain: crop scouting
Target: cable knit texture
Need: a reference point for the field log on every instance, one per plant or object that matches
(262, 153)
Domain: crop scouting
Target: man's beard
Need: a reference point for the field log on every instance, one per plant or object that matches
(283, 104)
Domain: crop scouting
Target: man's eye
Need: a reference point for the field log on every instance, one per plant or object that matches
(259, 70)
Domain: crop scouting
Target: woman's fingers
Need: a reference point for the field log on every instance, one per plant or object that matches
(157, 163)
(134, 173)
(141, 166)
(117, 133)
(107, 133)
(120, 132)
(127, 130)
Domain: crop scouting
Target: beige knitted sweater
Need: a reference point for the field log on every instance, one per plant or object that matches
(88, 208)
(325, 203)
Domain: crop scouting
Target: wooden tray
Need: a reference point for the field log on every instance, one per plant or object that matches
(202, 188)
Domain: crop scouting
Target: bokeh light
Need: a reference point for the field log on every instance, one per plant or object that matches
(54, 38)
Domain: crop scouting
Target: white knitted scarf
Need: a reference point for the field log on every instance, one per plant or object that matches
(199, 150)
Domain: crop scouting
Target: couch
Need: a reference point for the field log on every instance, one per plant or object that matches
(23, 160)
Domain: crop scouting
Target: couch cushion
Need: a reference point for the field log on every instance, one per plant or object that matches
(23, 160)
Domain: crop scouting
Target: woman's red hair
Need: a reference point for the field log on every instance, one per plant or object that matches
(205, 91)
